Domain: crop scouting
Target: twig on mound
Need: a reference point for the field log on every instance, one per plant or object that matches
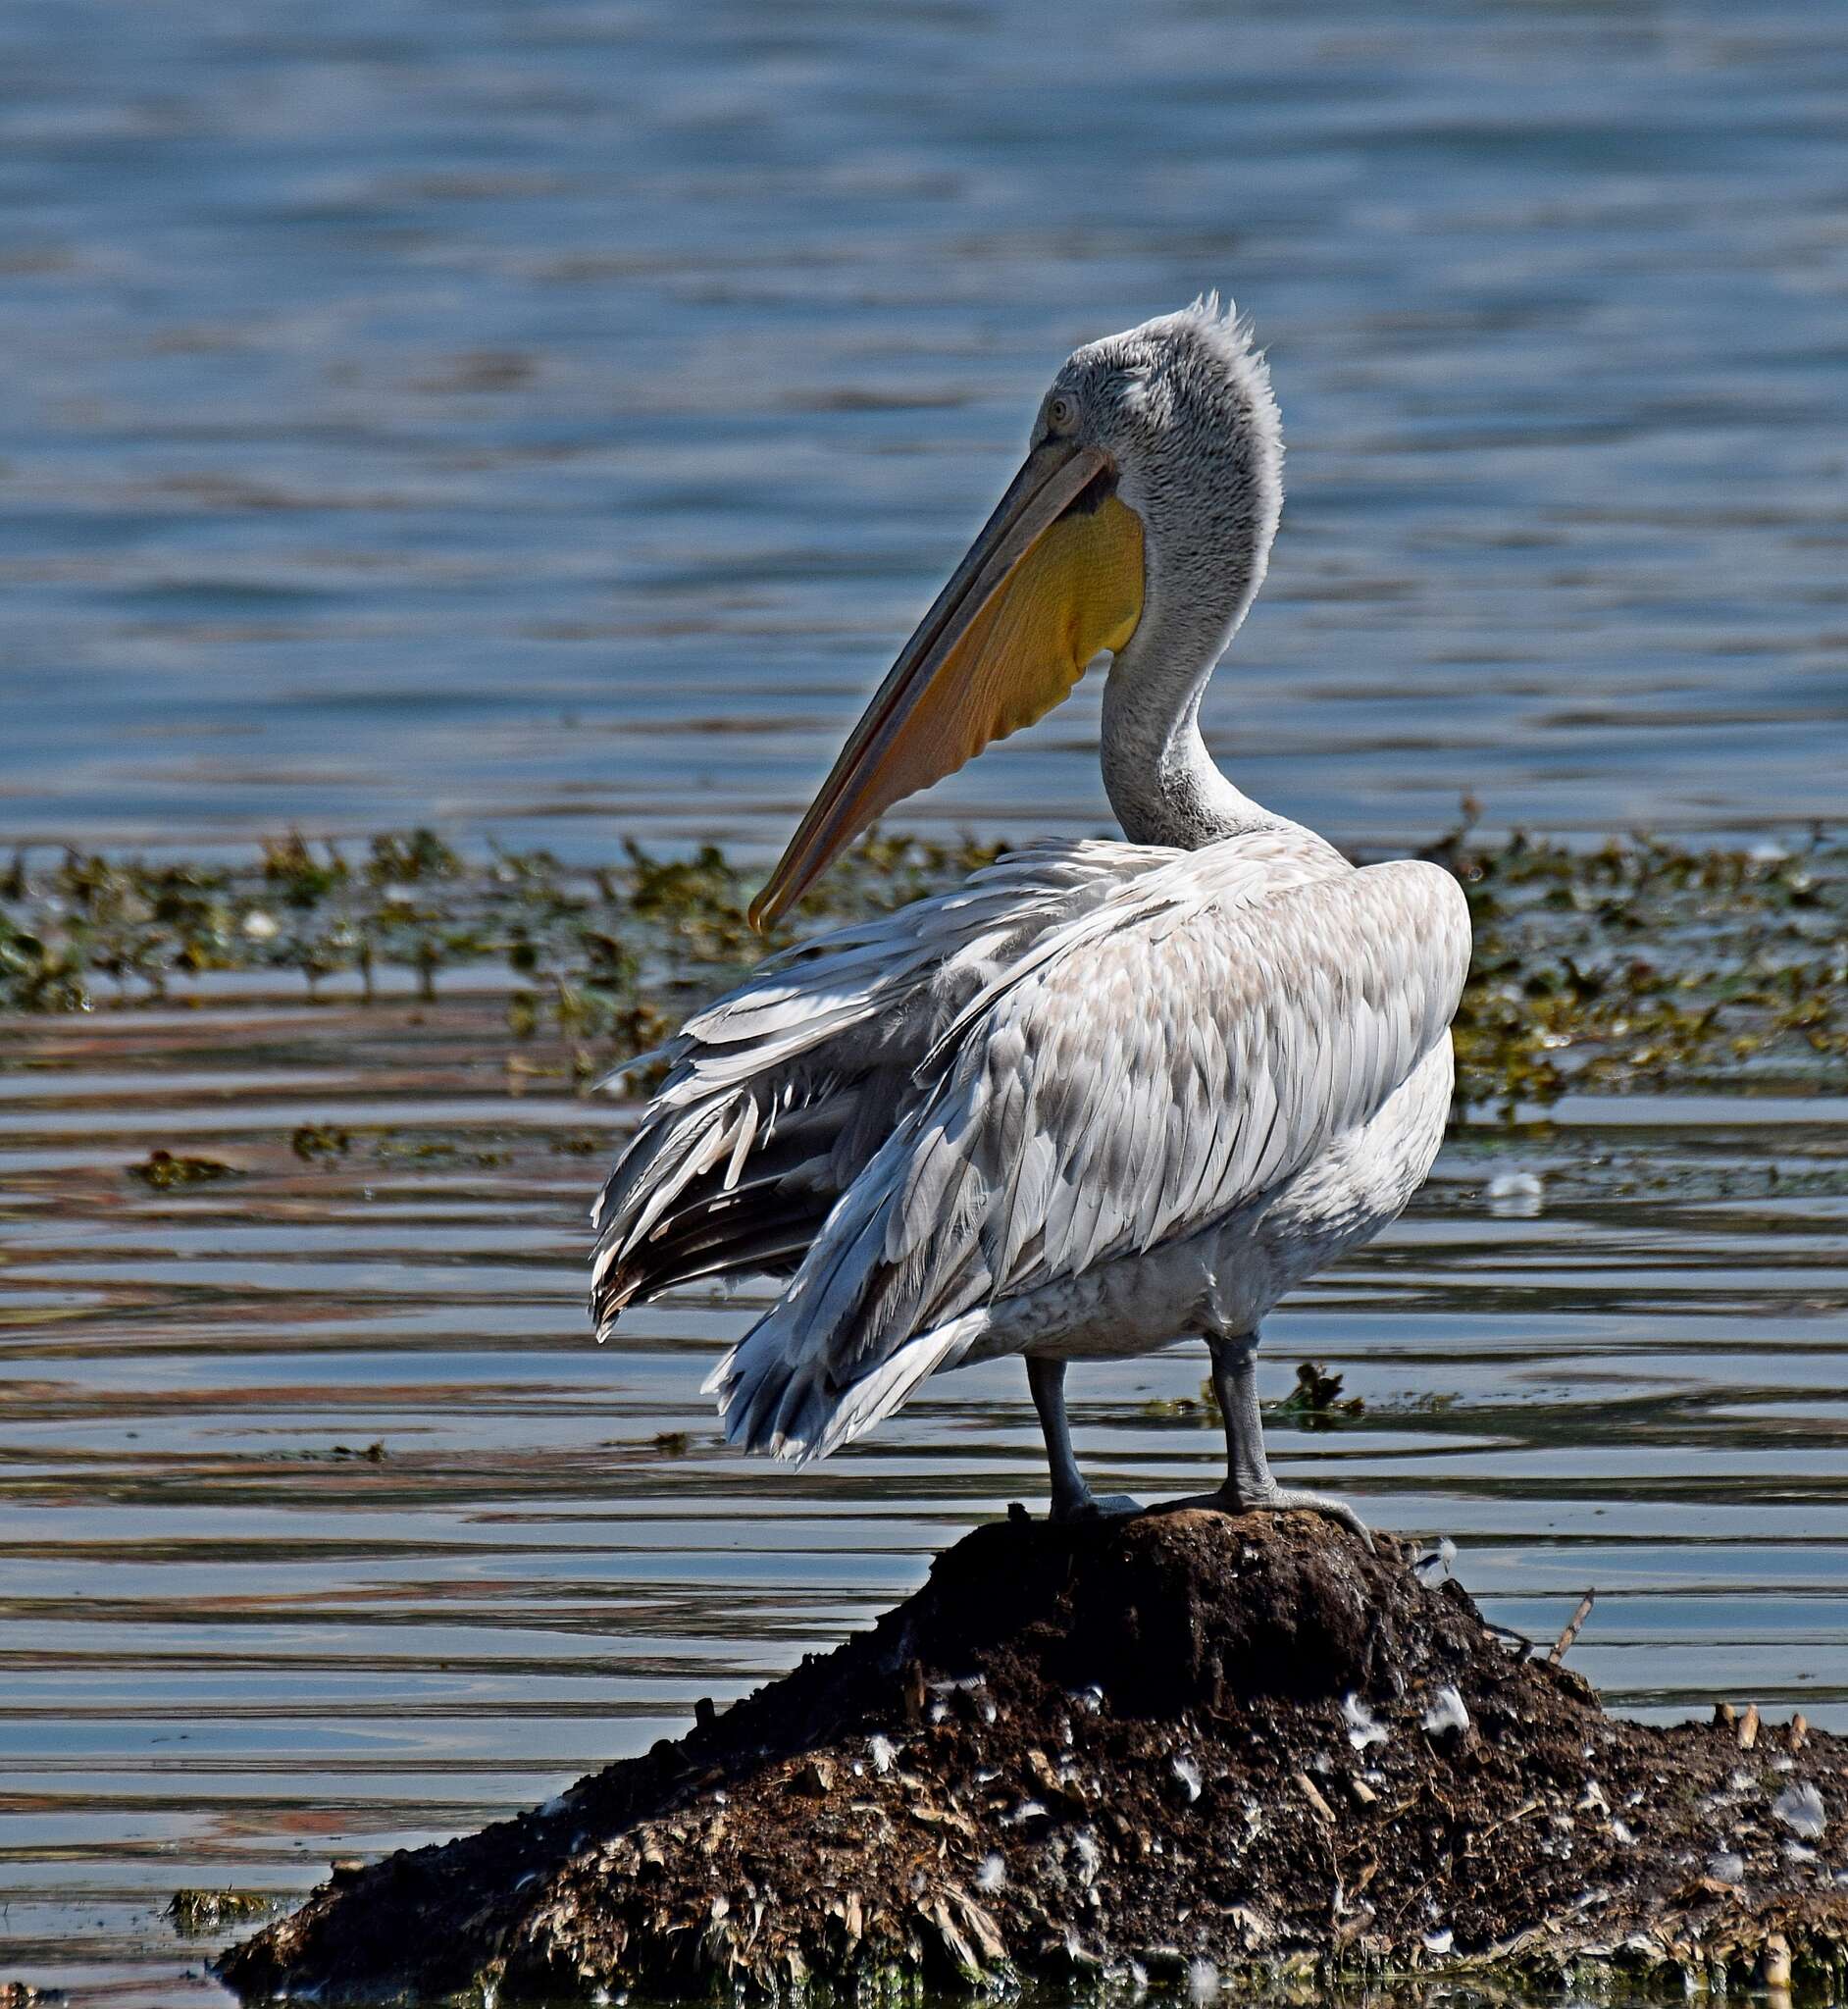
(1563, 1644)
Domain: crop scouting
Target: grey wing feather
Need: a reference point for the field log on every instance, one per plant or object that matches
(1151, 1065)
(779, 1096)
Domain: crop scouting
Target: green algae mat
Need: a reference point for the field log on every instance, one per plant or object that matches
(1635, 965)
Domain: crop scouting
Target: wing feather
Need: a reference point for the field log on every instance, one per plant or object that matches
(788, 1087)
(1152, 1064)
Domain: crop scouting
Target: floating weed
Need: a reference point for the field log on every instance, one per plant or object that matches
(1316, 1401)
(197, 1912)
(420, 1149)
(399, 860)
(1184, 1408)
(1634, 965)
(290, 866)
(1412, 1403)
(1641, 965)
(164, 1170)
(37, 974)
(883, 872)
(372, 1454)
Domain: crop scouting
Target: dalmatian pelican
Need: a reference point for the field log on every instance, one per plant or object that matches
(1103, 1095)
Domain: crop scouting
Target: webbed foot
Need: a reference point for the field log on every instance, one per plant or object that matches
(1276, 1499)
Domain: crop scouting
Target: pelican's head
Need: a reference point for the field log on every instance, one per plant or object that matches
(1154, 480)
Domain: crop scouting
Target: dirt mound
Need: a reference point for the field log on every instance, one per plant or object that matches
(1140, 1746)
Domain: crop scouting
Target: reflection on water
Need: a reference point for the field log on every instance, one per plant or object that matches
(557, 414)
(324, 1528)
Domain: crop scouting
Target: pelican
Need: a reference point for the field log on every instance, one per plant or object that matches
(1102, 1097)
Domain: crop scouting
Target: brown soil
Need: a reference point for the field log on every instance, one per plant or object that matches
(1080, 1752)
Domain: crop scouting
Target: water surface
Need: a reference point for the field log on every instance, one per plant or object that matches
(545, 421)
(556, 414)
(326, 1530)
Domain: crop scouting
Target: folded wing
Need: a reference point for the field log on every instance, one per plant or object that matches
(777, 1097)
(1187, 1043)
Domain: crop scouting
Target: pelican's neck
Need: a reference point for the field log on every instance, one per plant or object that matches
(1163, 785)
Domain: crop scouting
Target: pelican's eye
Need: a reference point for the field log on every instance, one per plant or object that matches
(1061, 411)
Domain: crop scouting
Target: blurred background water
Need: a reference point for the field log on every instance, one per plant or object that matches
(555, 415)
(545, 421)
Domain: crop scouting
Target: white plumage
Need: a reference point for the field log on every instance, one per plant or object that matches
(1101, 1097)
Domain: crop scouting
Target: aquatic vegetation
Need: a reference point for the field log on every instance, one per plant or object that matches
(164, 1170)
(198, 1912)
(1316, 1401)
(1644, 964)
(314, 1141)
(1637, 964)
(36, 975)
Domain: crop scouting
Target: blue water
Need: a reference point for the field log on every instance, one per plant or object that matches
(546, 421)
(553, 417)
(231, 1649)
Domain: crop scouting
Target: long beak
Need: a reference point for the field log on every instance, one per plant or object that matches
(993, 652)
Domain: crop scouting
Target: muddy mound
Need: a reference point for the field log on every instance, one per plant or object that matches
(1128, 1748)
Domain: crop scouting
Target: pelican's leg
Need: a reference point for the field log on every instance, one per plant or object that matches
(1071, 1497)
(1249, 1486)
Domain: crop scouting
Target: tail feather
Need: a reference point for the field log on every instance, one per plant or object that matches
(790, 1407)
(776, 1101)
(719, 1233)
(690, 1171)
(769, 1252)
